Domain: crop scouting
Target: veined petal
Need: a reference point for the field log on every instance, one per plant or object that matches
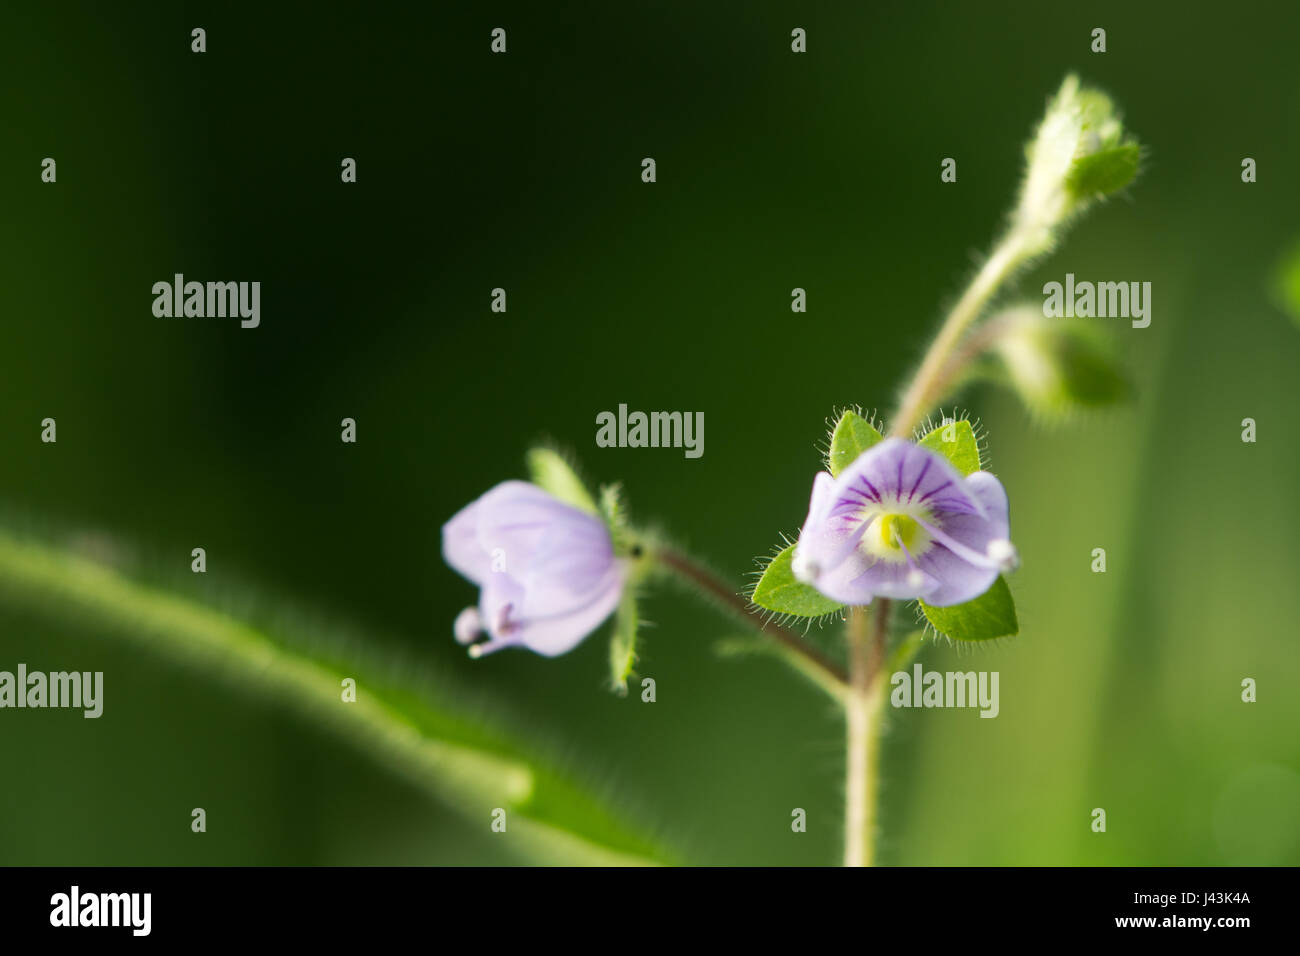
(896, 471)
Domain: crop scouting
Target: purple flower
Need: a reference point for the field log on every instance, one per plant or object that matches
(547, 571)
(901, 522)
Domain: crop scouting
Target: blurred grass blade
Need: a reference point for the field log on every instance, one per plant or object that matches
(467, 766)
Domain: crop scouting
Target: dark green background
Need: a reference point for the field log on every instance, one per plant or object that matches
(775, 170)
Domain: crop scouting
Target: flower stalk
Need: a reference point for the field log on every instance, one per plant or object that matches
(938, 372)
(863, 713)
(823, 671)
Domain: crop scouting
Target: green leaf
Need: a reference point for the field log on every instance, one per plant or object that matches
(554, 475)
(1286, 283)
(956, 442)
(992, 614)
(622, 643)
(1104, 172)
(852, 435)
(779, 590)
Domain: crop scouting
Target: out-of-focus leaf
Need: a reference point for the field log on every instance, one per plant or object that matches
(1059, 365)
(1104, 172)
(554, 475)
(1286, 283)
(622, 642)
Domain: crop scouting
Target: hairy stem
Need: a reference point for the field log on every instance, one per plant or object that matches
(938, 371)
(868, 634)
(812, 661)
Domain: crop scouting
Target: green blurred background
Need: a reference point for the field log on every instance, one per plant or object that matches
(775, 170)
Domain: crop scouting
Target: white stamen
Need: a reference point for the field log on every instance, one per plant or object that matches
(915, 578)
(468, 625)
(804, 569)
(1003, 553)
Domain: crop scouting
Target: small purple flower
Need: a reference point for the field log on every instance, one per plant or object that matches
(901, 522)
(547, 571)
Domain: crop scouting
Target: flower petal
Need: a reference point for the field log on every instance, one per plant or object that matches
(888, 579)
(959, 580)
(572, 560)
(515, 516)
(898, 471)
(460, 545)
(547, 634)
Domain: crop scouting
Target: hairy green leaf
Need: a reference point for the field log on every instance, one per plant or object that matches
(956, 442)
(992, 614)
(852, 435)
(779, 590)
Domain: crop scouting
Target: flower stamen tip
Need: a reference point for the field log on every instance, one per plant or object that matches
(1004, 554)
(468, 625)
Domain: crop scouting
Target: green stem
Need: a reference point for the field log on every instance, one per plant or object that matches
(938, 371)
(863, 712)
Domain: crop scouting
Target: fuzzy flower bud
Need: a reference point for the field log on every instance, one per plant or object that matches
(1080, 153)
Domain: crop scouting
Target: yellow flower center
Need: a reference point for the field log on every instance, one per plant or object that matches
(896, 528)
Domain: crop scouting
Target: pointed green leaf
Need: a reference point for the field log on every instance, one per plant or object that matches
(956, 442)
(992, 614)
(779, 590)
(622, 643)
(852, 436)
(554, 475)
